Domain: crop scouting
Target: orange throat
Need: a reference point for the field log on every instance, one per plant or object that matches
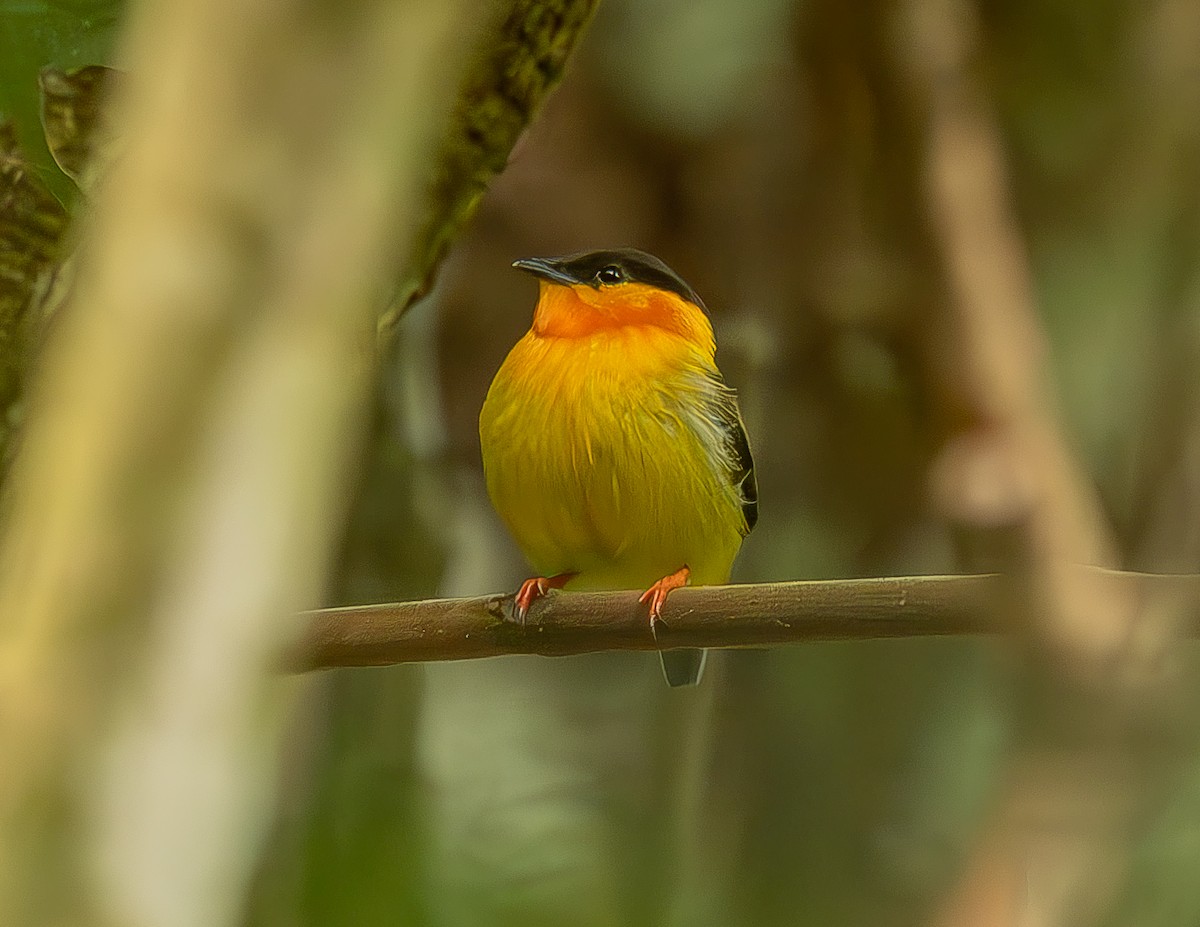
(581, 311)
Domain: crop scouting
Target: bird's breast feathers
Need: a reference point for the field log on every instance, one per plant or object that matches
(619, 456)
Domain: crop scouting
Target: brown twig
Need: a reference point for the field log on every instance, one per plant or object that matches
(716, 616)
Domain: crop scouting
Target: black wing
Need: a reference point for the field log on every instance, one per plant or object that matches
(738, 460)
(744, 475)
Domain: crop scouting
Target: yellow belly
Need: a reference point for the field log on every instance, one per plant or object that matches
(594, 470)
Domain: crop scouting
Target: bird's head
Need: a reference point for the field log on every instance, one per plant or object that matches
(582, 294)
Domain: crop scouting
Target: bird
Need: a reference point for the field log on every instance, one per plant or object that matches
(612, 448)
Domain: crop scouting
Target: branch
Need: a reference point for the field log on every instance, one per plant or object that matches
(714, 616)
(523, 59)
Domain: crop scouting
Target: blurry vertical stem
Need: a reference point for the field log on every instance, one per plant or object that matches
(1006, 476)
(525, 58)
(183, 471)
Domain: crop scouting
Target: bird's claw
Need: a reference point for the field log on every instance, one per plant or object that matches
(657, 594)
(533, 589)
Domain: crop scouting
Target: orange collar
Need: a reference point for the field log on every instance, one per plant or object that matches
(580, 311)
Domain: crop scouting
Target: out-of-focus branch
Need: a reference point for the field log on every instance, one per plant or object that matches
(758, 615)
(1006, 464)
(183, 472)
(526, 53)
(1008, 480)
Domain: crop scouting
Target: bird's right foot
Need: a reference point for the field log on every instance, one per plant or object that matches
(533, 589)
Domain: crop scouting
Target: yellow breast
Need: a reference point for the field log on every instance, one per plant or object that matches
(593, 460)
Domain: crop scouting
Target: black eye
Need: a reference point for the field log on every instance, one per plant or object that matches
(610, 274)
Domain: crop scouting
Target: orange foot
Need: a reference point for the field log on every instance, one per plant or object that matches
(533, 589)
(657, 594)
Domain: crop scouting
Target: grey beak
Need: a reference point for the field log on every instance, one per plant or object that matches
(545, 269)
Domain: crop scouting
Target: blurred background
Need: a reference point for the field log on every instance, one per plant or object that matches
(772, 153)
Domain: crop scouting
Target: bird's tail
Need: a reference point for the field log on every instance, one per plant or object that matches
(683, 667)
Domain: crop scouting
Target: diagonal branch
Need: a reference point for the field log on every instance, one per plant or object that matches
(527, 53)
(715, 616)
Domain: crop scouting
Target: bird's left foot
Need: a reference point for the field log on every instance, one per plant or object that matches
(657, 594)
(533, 589)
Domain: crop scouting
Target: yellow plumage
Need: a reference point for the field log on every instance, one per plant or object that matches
(611, 447)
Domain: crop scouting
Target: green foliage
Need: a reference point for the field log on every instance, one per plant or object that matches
(841, 783)
(32, 225)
